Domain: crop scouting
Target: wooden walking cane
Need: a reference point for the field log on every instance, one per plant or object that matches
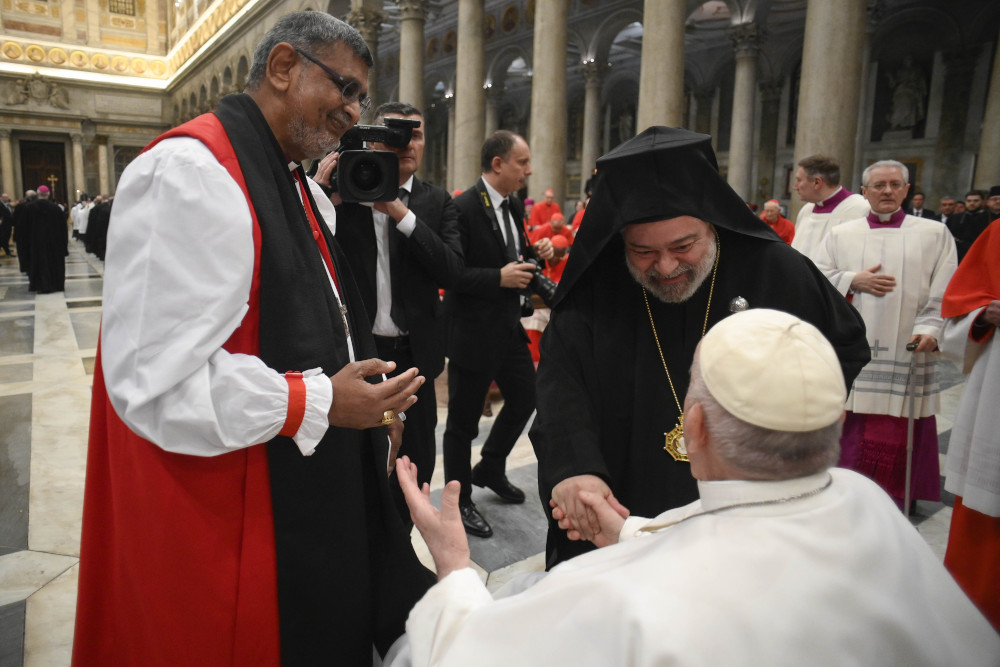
(909, 428)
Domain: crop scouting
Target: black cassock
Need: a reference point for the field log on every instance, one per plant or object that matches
(21, 236)
(48, 240)
(604, 401)
(97, 229)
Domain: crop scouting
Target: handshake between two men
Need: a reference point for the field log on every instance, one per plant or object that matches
(586, 510)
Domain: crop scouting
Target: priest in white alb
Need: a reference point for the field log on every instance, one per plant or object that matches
(827, 203)
(783, 560)
(894, 268)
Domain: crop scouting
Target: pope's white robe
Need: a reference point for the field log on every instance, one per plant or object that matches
(921, 256)
(811, 227)
(973, 467)
(836, 578)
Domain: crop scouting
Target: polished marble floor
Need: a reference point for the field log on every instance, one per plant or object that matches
(47, 347)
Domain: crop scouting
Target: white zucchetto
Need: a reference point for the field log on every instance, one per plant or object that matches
(773, 370)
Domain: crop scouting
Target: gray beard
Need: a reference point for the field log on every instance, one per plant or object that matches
(679, 292)
(314, 142)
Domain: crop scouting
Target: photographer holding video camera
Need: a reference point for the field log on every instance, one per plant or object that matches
(486, 341)
(401, 251)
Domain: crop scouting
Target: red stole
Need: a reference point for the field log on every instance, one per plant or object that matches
(976, 281)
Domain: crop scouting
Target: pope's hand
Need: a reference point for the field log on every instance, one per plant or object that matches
(574, 513)
(442, 531)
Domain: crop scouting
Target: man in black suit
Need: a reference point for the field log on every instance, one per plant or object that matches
(486, 341)
(946, 209)
(993, 202)
(401, 252)
(967, 227)
(917, 209)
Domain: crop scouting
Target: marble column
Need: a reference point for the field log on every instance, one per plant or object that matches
(746, 42)
(94, 15)
(7, 165)
(852, 179)
(548, 101)
(704, 99)
(102, 167)
(493, 97)
(770, 103)
(366, 17)
(79, 177)
(449, 100)
(606, 143)
(154, 42)
(593, 73)
(69, 27)
(661, 74)
(411, 51)
(988, 164)
(950, 158)
(829, 88)
(470, 116)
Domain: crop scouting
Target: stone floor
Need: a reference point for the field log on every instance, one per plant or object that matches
(47, 347)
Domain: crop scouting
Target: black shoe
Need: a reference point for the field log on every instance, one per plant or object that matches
(498, 484)
(473, 521)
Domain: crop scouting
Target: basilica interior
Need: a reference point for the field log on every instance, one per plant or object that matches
(85, 85)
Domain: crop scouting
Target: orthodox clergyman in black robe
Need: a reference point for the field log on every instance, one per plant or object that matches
(49, 238)
(97, 228)
(21, 236)
(607, 397)
(6, 225)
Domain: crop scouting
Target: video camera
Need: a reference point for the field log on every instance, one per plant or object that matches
(365, 174)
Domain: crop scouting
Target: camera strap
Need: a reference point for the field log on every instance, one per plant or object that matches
(484, 198)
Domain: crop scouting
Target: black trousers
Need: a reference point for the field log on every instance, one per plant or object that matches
(467, 390)
(5, 229)
(421, 420)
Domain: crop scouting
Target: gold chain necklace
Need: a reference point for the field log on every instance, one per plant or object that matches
(673, 442)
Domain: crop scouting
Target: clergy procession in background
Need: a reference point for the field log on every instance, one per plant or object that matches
(632, 223)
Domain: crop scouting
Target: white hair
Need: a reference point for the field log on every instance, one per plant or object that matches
(885, 163)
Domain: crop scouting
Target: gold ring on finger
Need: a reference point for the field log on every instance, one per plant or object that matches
(388, 417)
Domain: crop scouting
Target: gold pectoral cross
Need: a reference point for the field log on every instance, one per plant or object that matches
(673, 442)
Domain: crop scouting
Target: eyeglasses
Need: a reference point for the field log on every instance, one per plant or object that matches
(891, 185)
(350, 90)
